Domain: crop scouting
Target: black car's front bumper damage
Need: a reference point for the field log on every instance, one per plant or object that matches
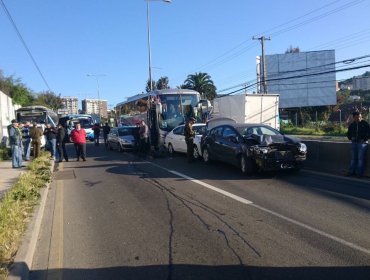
(277, 157)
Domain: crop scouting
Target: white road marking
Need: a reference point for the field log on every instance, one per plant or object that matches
(245, 201)
(208, 186)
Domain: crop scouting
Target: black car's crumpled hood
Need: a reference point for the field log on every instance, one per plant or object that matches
(266, 140)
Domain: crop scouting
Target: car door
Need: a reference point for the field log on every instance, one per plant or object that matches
(215, 143)
(114, 138)
(178, 140)
(230, 145)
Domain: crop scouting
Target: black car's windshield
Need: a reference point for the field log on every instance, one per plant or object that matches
(201, 129)
(124, 131)
(257, 130)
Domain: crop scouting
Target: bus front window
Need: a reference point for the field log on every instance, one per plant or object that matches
(176, 108)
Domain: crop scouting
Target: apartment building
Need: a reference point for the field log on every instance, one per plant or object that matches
(91, 106)
(361, 83)
(70, 105)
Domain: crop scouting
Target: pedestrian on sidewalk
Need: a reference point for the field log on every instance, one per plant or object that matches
(62, 138)
(36, 134)
(15, 142)
(51, 140)
(358, 133)
(26, 141)
(78, 137)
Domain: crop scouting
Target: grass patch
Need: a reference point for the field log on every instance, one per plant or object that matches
(326, 129)
(16, 208)
(4, 152)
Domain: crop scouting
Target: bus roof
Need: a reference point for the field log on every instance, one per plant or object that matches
(158, 92)
(35, 107)
(75, 116)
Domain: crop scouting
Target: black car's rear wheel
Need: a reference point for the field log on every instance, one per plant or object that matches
(247, 165)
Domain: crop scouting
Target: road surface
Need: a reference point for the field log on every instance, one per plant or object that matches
(117, 216)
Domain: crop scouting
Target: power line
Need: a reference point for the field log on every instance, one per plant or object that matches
(24, 43)
(283, 30)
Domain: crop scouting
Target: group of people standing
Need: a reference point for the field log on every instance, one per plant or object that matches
(21, 138)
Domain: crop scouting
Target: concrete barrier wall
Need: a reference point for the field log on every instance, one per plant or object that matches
(331, 157)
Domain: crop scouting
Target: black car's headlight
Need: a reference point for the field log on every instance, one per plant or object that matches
(302, 148)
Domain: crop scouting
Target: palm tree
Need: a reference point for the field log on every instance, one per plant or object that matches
(202, 83)
(147, 88)
(162, 83)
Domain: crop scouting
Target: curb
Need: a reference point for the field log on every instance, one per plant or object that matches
(23, 260)
(337, 176)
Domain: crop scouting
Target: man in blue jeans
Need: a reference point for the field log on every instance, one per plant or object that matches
(359, 134)
(15, 142)
(26, 141)
(51, 140)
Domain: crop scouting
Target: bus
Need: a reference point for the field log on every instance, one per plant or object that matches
(86, 121)
(162, 110)
(40, 114)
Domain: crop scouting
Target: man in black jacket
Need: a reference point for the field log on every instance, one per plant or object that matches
(359, 134)
(189, 139)
(62, 138)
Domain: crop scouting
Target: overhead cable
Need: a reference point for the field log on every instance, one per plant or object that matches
(24, 43)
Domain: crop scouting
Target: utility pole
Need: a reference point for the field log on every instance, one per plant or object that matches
(262, 40)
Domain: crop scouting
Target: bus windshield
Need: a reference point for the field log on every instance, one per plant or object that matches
(176, 108)
(31, 117)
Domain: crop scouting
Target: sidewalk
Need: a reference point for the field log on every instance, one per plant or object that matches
(9, 175)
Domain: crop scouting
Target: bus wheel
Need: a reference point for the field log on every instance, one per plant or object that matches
(170, 149)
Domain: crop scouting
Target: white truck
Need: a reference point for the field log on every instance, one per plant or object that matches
(248, 108)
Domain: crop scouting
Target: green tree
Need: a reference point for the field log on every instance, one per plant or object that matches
(49, 99)
(14, 88)
(202, 83)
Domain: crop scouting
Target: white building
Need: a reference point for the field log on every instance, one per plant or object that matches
(70, 104)
(361, 83)
(7, 114)
(91, 106)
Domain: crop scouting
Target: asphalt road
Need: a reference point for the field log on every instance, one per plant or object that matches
(117, 216)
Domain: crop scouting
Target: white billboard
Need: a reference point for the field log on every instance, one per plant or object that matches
(302, 79)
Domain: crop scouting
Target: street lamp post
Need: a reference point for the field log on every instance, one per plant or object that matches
(149, 48)
(98, 89)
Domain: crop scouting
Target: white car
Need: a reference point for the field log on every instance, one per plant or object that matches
(175, 140)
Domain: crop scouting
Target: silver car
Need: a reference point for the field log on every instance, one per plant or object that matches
(123, 138)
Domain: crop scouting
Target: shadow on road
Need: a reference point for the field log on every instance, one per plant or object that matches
(204, 272)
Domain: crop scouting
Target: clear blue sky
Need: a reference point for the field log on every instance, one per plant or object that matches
(71, 38)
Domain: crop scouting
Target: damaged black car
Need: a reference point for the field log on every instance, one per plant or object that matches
(253, 147)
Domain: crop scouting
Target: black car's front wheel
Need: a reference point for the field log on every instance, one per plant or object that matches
(247, 165)
(206, 157)
(196, 154)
